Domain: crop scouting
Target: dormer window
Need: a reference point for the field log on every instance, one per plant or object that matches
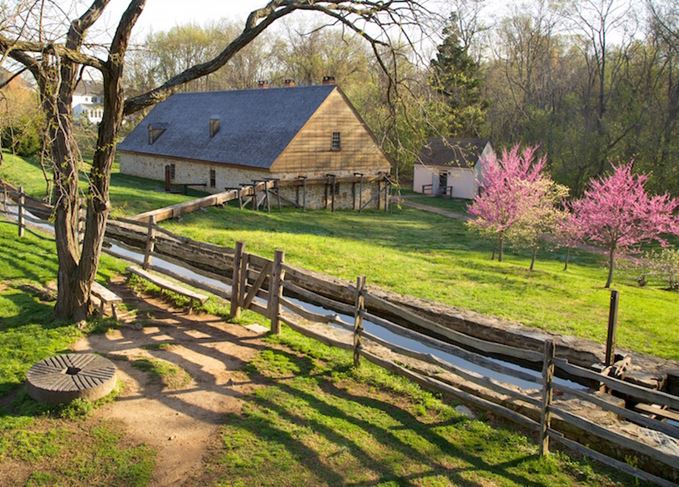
(214, 126)
(155, 131)
(336, 141)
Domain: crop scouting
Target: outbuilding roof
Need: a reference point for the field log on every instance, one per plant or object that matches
(255, 125)
(451, 151)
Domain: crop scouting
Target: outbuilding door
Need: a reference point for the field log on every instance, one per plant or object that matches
(443, 182)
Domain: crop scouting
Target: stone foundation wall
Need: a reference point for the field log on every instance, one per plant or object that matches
(194, 172)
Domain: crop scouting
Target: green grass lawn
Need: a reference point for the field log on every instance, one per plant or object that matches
(313, 419)
(456, 205)
(319, 421)
(428, 256)
(425, 255)
(130, 195)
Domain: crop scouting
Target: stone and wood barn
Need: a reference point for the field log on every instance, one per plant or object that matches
(310, 139)
(451, 167)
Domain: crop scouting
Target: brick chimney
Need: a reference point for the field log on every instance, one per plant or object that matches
(328, 80)
(290, 83)
(263, 84)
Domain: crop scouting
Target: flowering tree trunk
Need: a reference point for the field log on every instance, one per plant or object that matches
(611, 266)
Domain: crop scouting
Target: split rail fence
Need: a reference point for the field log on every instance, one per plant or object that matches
(270, 287)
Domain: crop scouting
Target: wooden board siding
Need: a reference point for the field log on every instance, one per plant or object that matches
(310, 150)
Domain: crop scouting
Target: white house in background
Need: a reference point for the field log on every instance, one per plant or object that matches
(451, 166)
(88, 102)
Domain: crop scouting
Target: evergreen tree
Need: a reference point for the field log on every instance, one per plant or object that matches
(456, 76)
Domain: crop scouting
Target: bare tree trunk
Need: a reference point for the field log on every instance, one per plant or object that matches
(568, 256)
(492, 257)
(611, 267)
(532, 258)
(501, 249)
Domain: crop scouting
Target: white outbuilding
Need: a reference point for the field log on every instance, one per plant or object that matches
(451, 167)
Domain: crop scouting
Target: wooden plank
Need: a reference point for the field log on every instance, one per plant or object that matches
(639, 393)
(105, 294)
(663, 413)
(306, 314)
(312, 334)
(455, 336)
(606, 460)
(453, 350)
(165, 284)
(628, 414)
(257, 285)
(451, 391)
(459, 371)
(319, 300)
(616, 438)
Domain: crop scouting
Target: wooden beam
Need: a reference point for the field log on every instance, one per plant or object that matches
(276, 291)
(257, 285)
(545, 413)
(612, 327)
(236, 281)
(359, 309)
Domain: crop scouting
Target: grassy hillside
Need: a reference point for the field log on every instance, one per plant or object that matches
(424, 255)
(129, 195)
(312, 419)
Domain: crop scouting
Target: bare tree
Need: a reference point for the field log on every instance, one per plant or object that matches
(57, 61)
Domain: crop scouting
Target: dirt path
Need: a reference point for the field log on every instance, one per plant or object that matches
(181, 423)
(433, 209)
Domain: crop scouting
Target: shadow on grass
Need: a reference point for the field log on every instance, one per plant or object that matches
(355, 423)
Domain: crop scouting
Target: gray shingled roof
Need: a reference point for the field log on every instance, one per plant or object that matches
(255, 125)
(455, 152)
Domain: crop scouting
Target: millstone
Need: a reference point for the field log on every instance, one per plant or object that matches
(63, 378)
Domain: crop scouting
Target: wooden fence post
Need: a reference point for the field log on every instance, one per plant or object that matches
(359, 308)
(236, 280)
(546, 414)
(150, 242)
(276, 291)
(20, 211)
(612, 328)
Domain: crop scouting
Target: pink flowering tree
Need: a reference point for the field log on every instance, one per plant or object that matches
(508, 189)
(617, 214)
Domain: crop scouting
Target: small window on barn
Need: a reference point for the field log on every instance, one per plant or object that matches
(336, 188)
(213, 178)
(172, 171)
(155, 131)
(336, 141)
(214, 126)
